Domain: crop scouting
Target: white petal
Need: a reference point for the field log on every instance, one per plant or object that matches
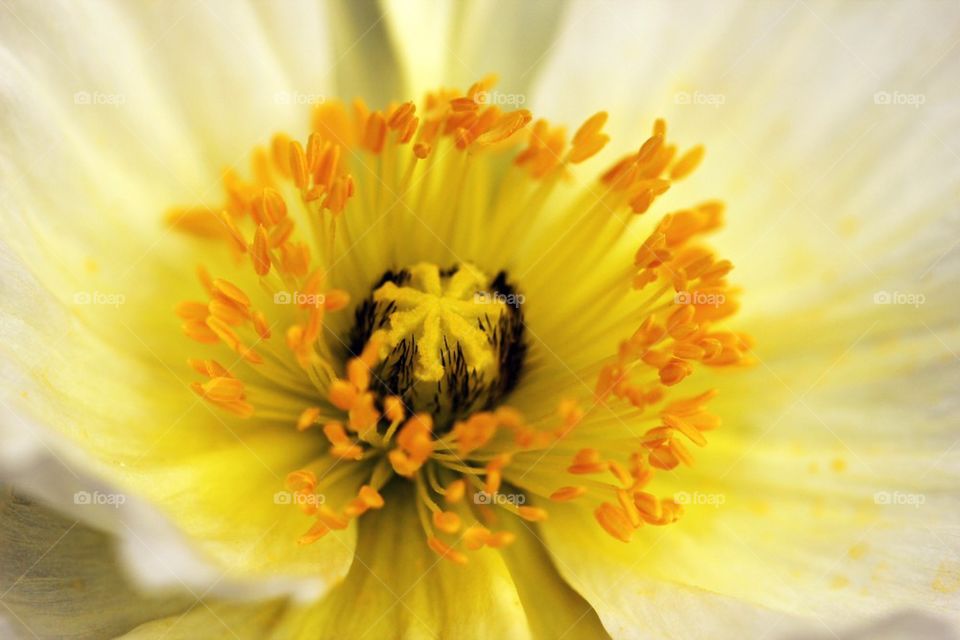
(901, 626)
(833, 197)
(231, 620)
(57, 575)
(115, 113)
(456, 44)
(631, 603)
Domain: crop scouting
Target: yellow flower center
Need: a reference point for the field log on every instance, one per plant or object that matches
(451, 341)
(442, 318)
(410, 378)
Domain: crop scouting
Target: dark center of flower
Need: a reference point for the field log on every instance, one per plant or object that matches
(453, 339)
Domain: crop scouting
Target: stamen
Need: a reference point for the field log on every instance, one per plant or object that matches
(615, 521)
(565, 494)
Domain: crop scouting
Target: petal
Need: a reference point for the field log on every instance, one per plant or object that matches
(232, 505)
(398, 587)
(553, 608)
(261, 66)
(633, 604)
(247, 621)
(840, 205)
(109, 103)
(58, 577)
(217, 481)
(458, 43)
(894, 627)
(805, 75)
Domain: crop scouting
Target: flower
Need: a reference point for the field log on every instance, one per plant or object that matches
(445, 370)
(490, 356)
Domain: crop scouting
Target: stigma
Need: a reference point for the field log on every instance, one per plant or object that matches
(451, 340)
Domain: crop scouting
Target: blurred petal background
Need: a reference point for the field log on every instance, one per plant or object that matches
(832, 135)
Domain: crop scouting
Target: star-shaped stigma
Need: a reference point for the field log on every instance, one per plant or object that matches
(436, 309)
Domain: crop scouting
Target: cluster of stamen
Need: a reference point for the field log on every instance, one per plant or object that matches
(422, 333)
